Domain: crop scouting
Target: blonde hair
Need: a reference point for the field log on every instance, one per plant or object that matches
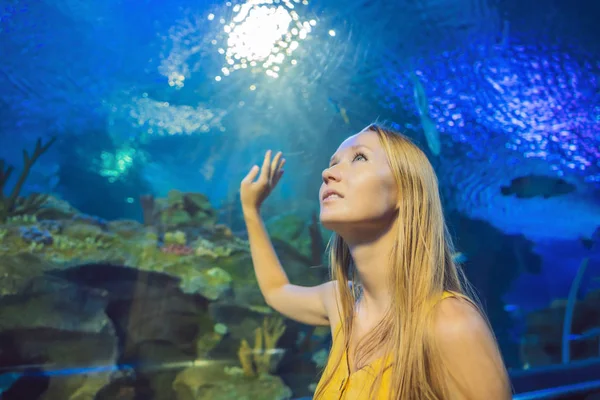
(422, 269)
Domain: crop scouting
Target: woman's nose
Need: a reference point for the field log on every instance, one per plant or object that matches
(330, 174)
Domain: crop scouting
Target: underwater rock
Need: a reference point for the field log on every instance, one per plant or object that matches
(50, 225)
(300, 234)
(32, 234)
(127, 229)
(55, 304)
(177, 249)
(90, 220)
(78, 243)
(177, 237)
(82, 231)
(56, 209)
(17, 272)
(206, 248)
(72, 362)
(207, 342)
(214, 284)
(286, 227)
(76, 387)
(180, 210)
(113, 283)
(124, 389)
(149, 306)
(156, 323)
(195, 202)
(542, 339)
(63, 327)
(215, 383)
(241, 321)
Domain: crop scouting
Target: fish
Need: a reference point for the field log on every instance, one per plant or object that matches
(530, 186)
(505, 38)
(340, 110)
(432, 135)
(590, 242)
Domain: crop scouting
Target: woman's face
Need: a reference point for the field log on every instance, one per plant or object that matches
(358, 188)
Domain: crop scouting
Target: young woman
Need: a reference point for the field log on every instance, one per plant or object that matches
(403, 325)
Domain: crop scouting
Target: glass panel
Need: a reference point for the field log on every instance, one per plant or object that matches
(126, 128)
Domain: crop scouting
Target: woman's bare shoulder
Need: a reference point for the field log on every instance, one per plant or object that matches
(467, 343)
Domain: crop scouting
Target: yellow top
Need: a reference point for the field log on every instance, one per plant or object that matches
(354, 386)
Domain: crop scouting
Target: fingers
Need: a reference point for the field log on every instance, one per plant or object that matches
(249, 178)
(279, 172)
(265, 173)
(271, 171)
(277, 178)
(275, 165)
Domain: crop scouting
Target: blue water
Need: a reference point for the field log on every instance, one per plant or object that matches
(147, 96)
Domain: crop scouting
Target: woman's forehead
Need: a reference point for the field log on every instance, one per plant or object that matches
(367, 139)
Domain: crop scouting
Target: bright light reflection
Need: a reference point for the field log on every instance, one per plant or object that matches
(263, 36)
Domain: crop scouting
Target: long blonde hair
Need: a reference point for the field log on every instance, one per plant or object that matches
(422, 269)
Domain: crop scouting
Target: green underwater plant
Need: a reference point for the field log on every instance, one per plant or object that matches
(177, 237)
(258, 360)
(12, 204)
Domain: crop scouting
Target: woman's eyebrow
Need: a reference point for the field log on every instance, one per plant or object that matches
(355, 147)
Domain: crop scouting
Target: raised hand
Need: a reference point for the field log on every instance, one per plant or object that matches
(253, 192)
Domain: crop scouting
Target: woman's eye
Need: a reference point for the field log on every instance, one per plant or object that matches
(359, 155)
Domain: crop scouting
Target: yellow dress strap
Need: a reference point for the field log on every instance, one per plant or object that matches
(448, 293)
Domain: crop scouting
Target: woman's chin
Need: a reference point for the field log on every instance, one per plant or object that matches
(333, 223)
(328, 223)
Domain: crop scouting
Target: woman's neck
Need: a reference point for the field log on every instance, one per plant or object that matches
(372, 262)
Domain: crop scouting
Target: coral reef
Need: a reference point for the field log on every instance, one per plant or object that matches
(177, 238)
(263, 358)
(178, 210)
(12, 204)
(177, 290)
(177, 249)
(306, 236)
(218, 382)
